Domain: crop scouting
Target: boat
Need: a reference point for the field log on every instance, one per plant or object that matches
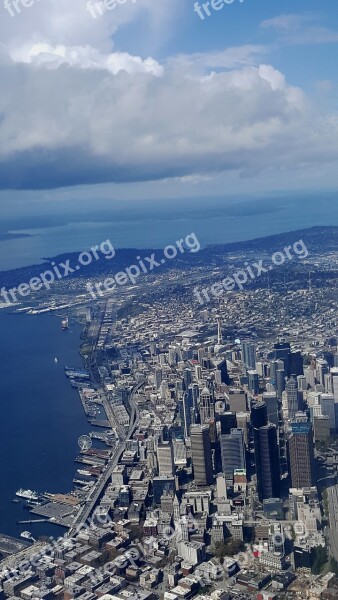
(27, 536)
(27, 494)
(65, 323)
(56, 360)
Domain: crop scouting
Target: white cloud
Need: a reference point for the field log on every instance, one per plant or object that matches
(85, 57)
(301, 29)
(73, 110)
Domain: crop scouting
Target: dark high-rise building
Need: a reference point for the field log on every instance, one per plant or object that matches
(267, 462)
(292, 397)
(273, 372)
(296, 363)
(270, 399)
(293, 361)
(259, 415)
(201, 454)
(282, 352)
(280, 375)
(233, 451)
(249, 355)
(253, 382)
(266, 453)
(187, 377)
(301, 455)
(223, 370)
(228, 422)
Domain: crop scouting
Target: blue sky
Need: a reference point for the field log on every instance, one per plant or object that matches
(148, 100)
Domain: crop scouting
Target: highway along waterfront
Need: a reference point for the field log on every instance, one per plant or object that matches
(41, 414)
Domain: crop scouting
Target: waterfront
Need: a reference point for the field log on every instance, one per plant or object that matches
(41, 414)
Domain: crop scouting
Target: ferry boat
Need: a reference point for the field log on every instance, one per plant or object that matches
(27, 494)
(27, 536)
(65, 323)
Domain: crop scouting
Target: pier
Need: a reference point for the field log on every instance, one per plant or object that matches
(33, 521)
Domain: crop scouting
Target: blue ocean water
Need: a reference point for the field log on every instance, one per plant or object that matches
(41, 414)
(156, 224)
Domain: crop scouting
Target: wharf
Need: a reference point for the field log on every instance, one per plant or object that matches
(56, 513)
(10, 545)
(91, 461)
(97, 423)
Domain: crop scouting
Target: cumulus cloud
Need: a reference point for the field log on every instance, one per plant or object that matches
(74, 110)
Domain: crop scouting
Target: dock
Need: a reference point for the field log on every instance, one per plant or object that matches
(33, 521)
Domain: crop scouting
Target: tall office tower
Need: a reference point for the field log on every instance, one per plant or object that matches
(296, 363)
(198, 372)
(321, 428)
(163, 359)
(262, 369)
(187, 377)
(259, 415)
(218, 377)
(233, 452)
(313, 398)
(158, 377)
(280, 382)
(292, 397)
(328, 408)
(266, 453)
(172, 358)
(273, 372)
(186, 408)
(253, 382)
(164, 390)
(310, 375)
(282, 352)
(334, 382)
(165, 459)
(301, 455)
(249, 355)
(201, 454)
(222, 369)
(302, 383)
(267, 462)
(207, 406)
(228, 422)
(322, 368)
(200, 354)
(237, 401)
(270, 399)
(242, 423)
(180, 453)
